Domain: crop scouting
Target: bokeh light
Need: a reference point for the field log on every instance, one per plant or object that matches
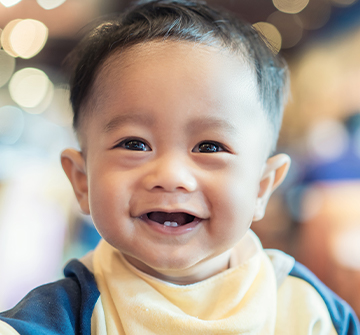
(28, 37)
(327, 140)
(289, 26)
(11, 124)
(271, 35)
(290, 6)
(343, 3)
(50, 4)
(312, 203)
(7, 67)
(346, 247)
(357, 143)
(28, 87)
(316, 14)
(9, 3)
(60, 111)
(5, 37)
(45, 102)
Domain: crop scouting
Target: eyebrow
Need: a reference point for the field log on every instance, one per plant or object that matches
(210, 123)
(147, 119)
(129, 117)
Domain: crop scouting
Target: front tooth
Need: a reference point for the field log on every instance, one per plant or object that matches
(170, 224)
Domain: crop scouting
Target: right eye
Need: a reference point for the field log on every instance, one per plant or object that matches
(134, 144)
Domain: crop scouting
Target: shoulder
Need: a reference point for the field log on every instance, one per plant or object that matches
(305, 304)
(62, 307)
(342, 315)
(310, 304)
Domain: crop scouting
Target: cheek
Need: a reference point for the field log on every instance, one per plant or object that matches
(109, 211)
(108, 197)
(234, 199)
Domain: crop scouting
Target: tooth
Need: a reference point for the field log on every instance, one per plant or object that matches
(170, 224)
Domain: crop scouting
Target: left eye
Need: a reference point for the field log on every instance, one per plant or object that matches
(208, 147)
(134, 144)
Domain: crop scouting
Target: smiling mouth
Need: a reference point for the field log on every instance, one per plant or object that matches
(171, 219)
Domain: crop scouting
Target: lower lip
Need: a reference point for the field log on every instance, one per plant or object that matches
(180, 230)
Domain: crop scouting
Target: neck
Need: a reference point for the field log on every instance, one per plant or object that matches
(192, 275)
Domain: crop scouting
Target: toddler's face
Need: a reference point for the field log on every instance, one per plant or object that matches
(175, 151)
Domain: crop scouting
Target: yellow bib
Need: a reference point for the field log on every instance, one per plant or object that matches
(240, 300)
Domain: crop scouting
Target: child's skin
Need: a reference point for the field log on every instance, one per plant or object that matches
(174, 100)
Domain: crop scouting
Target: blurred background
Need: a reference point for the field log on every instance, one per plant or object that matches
(314, 216)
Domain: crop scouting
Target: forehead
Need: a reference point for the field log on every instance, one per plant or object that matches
(196, 63)
(182, 78)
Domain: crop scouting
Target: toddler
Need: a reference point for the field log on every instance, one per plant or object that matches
(177, 109)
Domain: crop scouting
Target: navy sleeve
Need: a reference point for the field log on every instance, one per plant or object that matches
(342, 315)
(60, 308)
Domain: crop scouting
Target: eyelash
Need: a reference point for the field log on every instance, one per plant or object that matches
(219, 147)
(122, 144)
(213, 145)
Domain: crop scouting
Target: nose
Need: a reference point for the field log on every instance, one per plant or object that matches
(171, 174)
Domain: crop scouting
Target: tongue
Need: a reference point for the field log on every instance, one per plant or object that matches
(180, 218)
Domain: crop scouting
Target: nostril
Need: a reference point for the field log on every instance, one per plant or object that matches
(170, 176)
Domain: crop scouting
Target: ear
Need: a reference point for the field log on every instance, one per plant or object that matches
(73, 164)
(275, 171)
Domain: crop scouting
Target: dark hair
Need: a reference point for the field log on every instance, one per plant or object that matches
(180, 20)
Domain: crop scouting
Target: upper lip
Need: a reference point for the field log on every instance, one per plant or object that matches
(173, 210)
